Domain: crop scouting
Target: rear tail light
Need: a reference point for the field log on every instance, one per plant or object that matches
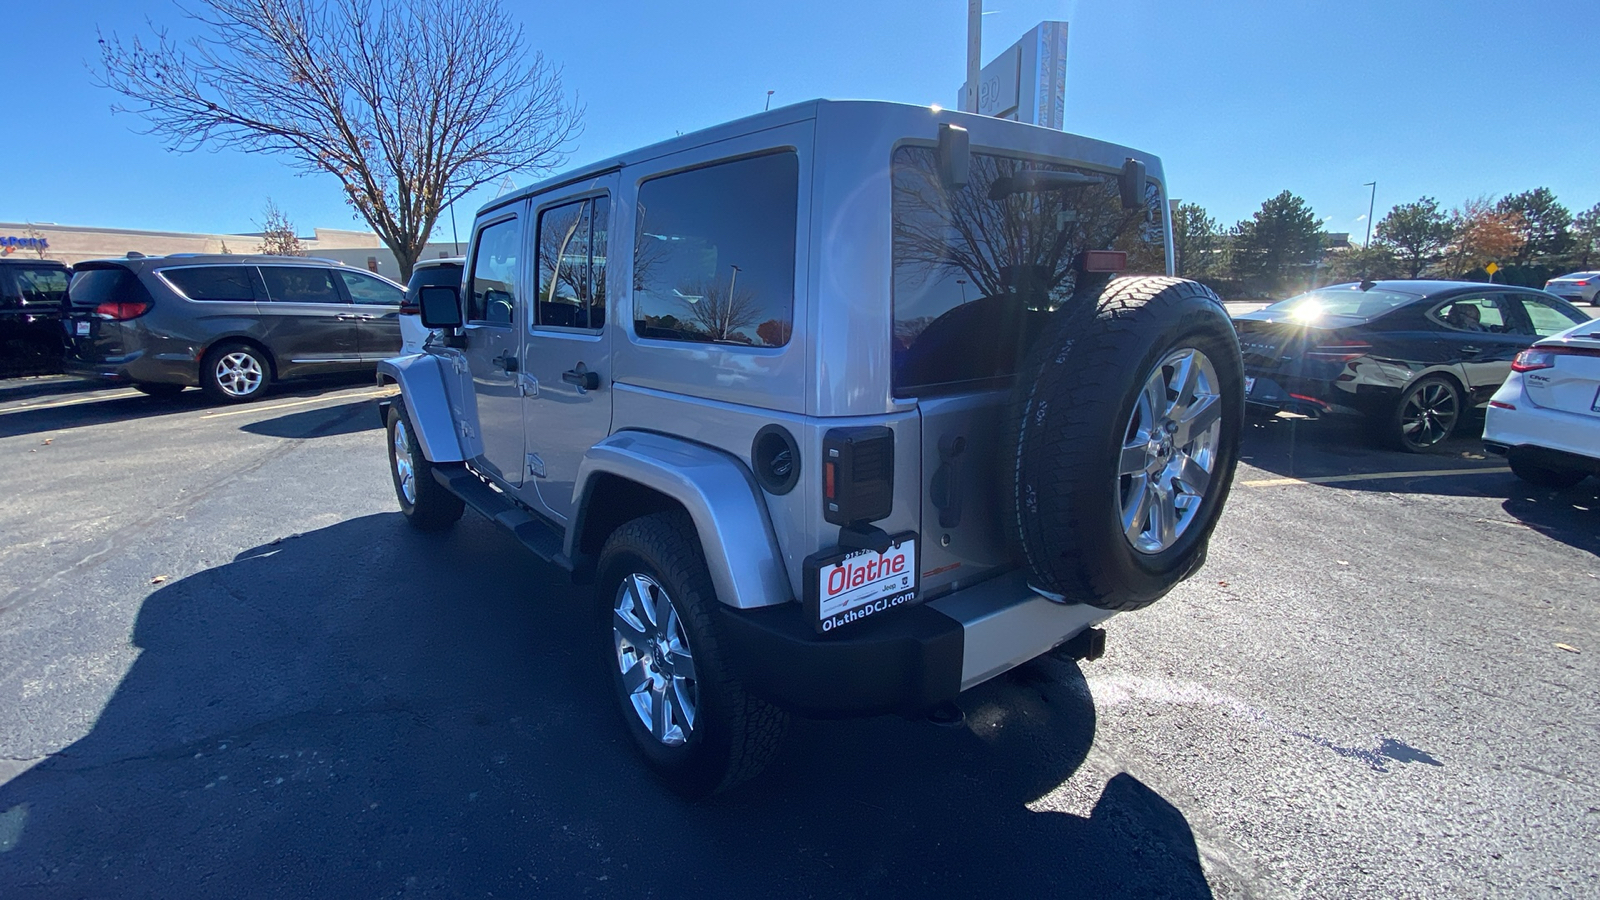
(121, 310)
(857, 474)
(1545, 357)
(1581, 283)
(1339, 351)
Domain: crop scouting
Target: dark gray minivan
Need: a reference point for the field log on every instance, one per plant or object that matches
(230, 324)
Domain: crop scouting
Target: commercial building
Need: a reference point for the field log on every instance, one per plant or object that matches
(74, 243)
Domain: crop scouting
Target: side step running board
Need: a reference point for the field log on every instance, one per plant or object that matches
(534, 531)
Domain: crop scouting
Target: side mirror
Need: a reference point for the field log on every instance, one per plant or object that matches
(441, 306)
(1132, 183)
(954, 158)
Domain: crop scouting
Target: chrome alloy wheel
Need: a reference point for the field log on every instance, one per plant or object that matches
(1428, 414)
(405, 470)
(654, 659)
(238, 374)
(1169, 450)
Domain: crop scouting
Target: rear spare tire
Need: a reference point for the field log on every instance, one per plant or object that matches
(1124, 427)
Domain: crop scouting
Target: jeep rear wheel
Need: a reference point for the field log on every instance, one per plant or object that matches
(1125, 428)
(680, 701)
(425, 503)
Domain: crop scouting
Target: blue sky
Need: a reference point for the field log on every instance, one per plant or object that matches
(1452, 98)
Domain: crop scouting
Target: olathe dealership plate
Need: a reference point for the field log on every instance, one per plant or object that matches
(845, 586)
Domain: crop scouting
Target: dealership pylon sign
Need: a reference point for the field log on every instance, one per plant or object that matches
(1028, 81)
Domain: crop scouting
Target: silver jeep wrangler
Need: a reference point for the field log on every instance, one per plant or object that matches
(844, 408)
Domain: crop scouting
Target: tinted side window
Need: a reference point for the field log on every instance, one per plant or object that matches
(1547, 317)
(366, 289)
(300, 284)
(1476, 313)
(212, 283)
(714, 255)
(572, 261)
(41, 286)
(492, 293)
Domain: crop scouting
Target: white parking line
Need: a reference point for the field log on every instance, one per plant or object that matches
(1373, 476)
(255, 409)
(52, 404)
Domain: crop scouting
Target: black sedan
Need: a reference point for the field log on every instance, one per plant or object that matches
(1411, 355)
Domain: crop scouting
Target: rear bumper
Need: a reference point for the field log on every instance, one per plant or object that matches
(906, 663)
(138, 366)
(1542, 436)
(1306, 396)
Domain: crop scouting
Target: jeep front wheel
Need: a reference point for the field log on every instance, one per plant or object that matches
(680, 701)
(425, 503)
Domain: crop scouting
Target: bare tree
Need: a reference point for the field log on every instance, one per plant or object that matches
(410, 104)
(277, 234)
(722, 311)
(41, 246)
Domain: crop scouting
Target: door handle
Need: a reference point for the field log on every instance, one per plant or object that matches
(581, 378)
(1471, 351)
(346, 318)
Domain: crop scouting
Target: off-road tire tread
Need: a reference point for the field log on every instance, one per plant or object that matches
(669, 541)
(436, 508)
(1089, 343)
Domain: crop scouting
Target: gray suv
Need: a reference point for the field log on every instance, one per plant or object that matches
(844, 409)
(231, 324)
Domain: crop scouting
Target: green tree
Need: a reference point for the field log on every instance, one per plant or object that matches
(1376, 262)
(1195, 241)
(1481, 234)
(1586, 236)
(1417, 234)
(1277, 242)
(1546, 226)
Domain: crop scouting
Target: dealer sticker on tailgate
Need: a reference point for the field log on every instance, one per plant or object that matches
(844, 586)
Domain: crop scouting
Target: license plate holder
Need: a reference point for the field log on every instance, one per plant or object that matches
(1595, 406)
(81, 329)
(1249, 385)
(844, 586)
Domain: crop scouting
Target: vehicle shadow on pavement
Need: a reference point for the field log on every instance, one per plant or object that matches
(83, 410)
(1346, 449)
(326, 421)
(1571, 516)
(363, 710)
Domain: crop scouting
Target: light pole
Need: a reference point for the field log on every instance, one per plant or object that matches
(974, 54)
(769, 102)
(1371, 205)
(963, 283)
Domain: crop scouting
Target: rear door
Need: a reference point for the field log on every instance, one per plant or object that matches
(567, 350)
(1480, 351)
(307, 320)
(494, 317)
(377, 308)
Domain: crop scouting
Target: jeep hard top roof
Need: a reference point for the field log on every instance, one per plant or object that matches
(987, 132)
(211, 259)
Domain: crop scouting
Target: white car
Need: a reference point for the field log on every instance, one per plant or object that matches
(444, 272)
(1578, 287)
(1545, 419)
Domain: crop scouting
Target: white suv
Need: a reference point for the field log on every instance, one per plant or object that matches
(444, 272)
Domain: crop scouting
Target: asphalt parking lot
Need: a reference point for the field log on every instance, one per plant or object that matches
(231, 670)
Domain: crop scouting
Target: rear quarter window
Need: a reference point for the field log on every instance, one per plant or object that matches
(714, 254)
(44, 287)
(212, 283)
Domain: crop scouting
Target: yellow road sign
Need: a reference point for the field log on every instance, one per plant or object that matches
(1492, 268)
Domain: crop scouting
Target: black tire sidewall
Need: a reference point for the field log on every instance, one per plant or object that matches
(208, 373)
(1091, 559)
(435, 508)
(1395, 430)
(397, 414)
